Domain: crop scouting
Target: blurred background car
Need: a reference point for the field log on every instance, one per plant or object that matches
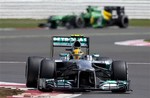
(93, 17)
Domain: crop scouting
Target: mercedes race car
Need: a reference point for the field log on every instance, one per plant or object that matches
(76, 69)
(93, 17)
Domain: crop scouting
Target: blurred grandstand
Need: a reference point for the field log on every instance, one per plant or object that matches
(39, 9)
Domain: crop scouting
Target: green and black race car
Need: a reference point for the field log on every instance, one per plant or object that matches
(93, 17)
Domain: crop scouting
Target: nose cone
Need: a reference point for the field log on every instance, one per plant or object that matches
(85, 65)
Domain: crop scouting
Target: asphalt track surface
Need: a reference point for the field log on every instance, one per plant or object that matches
(17, 45)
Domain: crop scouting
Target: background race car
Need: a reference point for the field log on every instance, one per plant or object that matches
(93, 17)
(76, 70)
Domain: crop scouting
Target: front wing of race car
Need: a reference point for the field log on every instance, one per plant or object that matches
(108, 85)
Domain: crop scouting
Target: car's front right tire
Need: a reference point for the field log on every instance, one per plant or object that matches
(32, 69)
(46, 71)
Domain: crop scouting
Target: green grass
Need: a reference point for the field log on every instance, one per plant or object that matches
(147, 40)
(140, 22)
(20, 23)
(33, 23)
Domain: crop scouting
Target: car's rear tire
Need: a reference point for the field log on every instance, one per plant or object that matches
(32, 69)
(119, 72)
(46, 71)
(80, 23)
(123, 21)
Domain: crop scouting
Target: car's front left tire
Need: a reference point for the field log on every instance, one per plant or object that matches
(119, 71)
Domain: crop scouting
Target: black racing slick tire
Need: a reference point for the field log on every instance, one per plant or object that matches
(32, 69)
(46, 71)
(80, 23)
(123, 21)
(119, 72)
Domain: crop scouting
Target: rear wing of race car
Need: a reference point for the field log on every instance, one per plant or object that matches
(68, 41)
(115, 10)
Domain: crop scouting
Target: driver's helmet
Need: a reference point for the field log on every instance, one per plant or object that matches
(77, 53)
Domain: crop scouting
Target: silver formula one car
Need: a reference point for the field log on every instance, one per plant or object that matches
(76, 70)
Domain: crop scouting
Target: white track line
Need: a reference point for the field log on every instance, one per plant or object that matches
(11, 62)
(89, 34)
(136, 63)
(17, 62)
(10, 83)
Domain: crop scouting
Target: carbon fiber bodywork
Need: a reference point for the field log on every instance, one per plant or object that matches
(83, 75)
(89, 72)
